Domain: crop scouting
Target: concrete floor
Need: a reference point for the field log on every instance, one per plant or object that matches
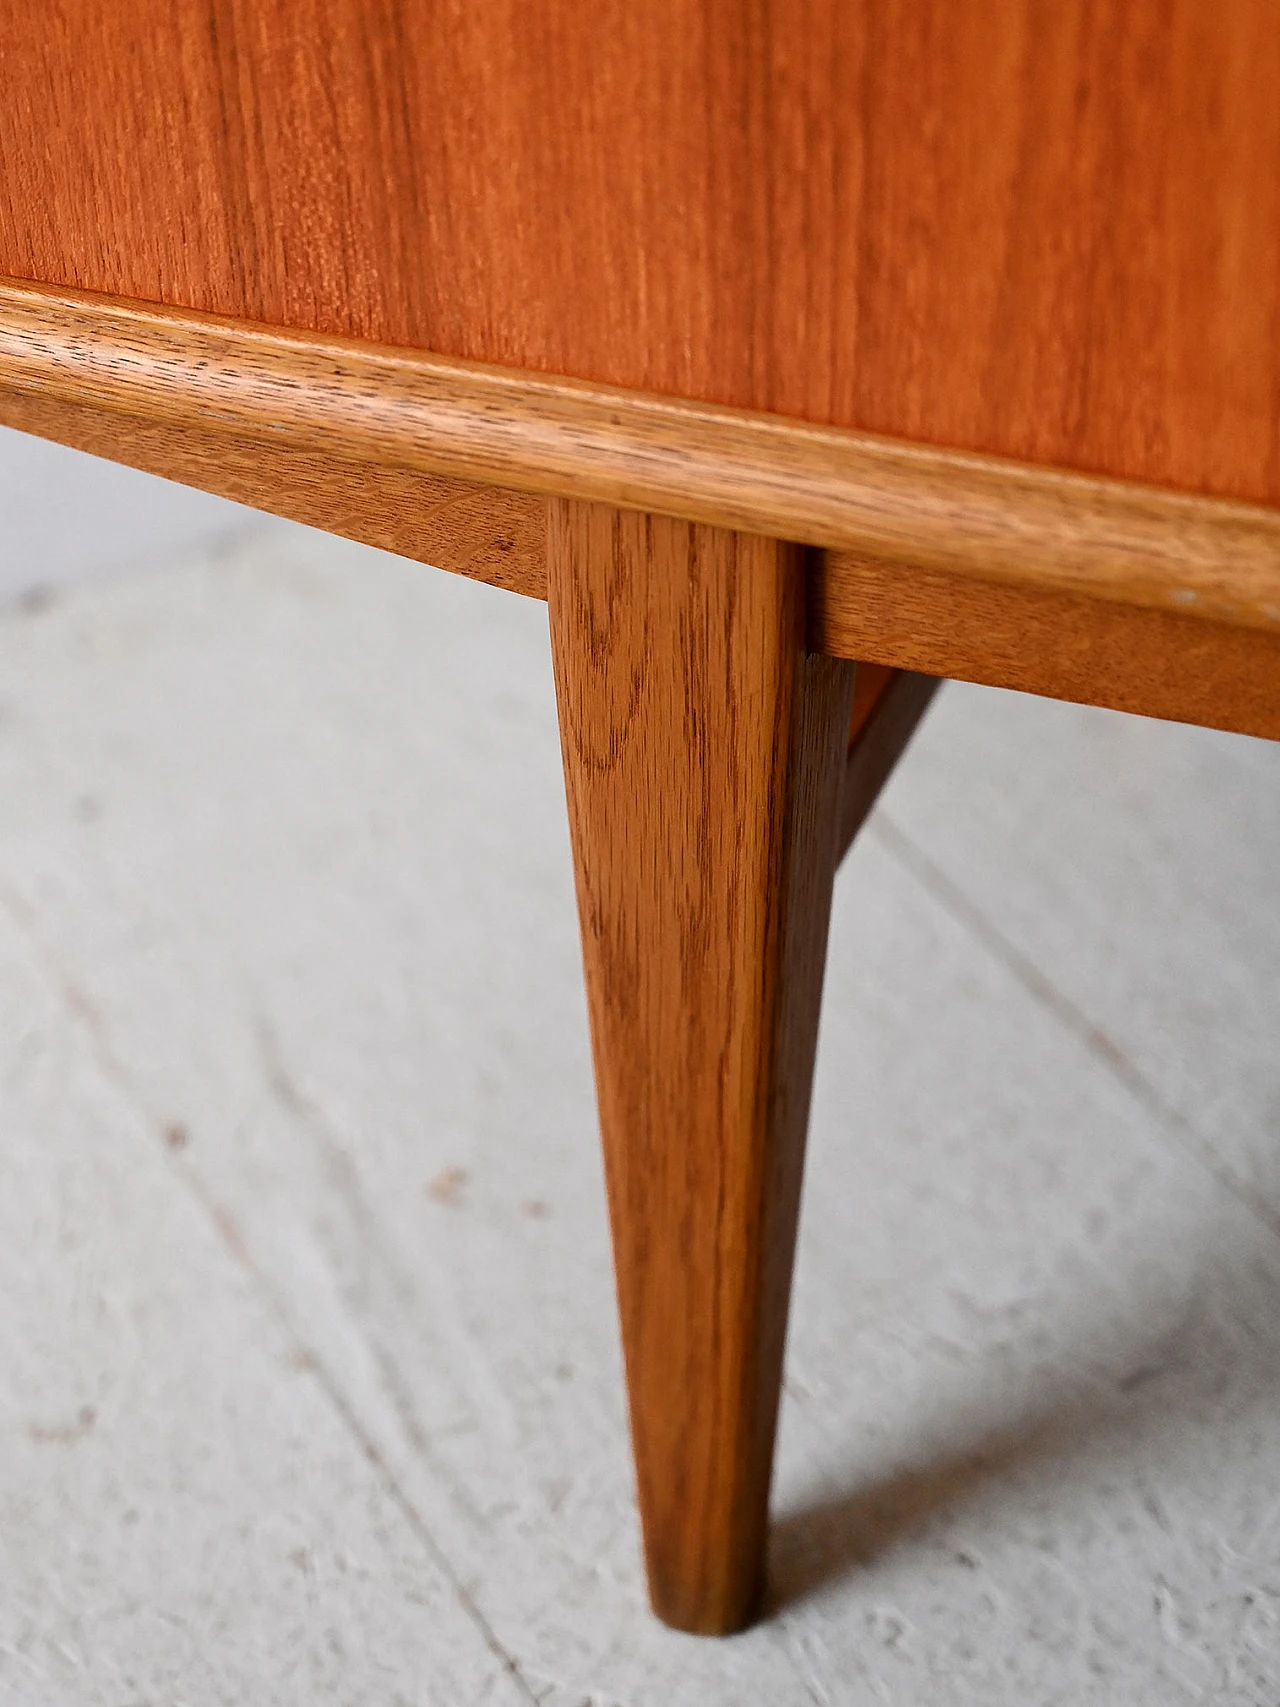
(313, 1388)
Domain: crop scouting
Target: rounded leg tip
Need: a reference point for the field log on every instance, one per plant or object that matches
(699, 1609)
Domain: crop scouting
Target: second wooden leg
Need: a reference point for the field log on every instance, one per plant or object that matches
(704, 751)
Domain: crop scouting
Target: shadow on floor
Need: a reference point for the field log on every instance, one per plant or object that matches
(1181, 1382)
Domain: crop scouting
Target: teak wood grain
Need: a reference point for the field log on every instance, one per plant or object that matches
(1128, 658)
(704, 753)
(483, 532)
(919, 507)
(1046, 232)
(941, 334)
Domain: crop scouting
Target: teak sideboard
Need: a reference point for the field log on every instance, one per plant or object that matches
(757, 338)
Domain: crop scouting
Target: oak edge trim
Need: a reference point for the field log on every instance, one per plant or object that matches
(976, 517)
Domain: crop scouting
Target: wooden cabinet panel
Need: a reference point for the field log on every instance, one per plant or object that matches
(1049, 231)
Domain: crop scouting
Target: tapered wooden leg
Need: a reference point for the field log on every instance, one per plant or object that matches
(704, 752)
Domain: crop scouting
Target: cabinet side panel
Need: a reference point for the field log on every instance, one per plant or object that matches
(1048, 232)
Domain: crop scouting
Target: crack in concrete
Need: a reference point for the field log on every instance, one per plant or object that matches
(953, 900)
(86, 1012)
(371, 1238)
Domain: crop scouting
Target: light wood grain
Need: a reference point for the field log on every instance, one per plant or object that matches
(1047, 232)
(920, 508)
(892, 704)
(483, 532)
(1152, 662)
(704, 753)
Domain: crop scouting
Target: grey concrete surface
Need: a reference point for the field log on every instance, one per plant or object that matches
(313, 1381)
